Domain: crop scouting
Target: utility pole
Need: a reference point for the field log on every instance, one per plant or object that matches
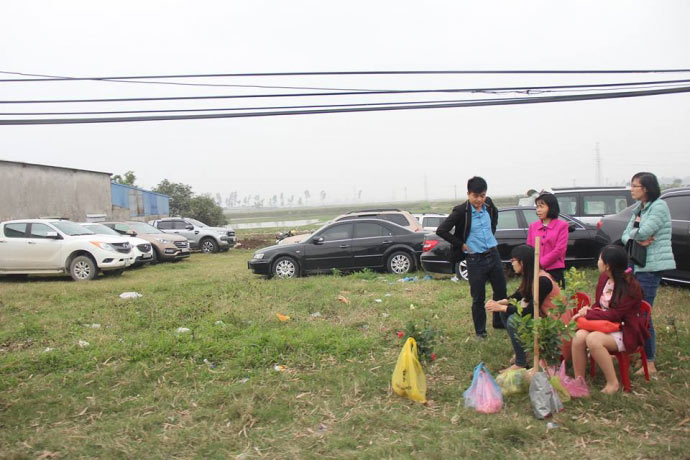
(426, 189)
(597, 165)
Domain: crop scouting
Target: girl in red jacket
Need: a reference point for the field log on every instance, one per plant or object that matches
(618, 298)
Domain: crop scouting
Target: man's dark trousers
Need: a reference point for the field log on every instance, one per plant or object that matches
(480, 269)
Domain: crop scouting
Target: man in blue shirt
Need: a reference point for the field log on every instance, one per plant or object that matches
(473, 239)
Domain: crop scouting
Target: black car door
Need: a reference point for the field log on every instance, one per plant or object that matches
(369, 243)
(511, 231)
(330, 248)
(679, 205)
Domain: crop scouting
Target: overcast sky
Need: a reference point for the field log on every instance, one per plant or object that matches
(387, 155)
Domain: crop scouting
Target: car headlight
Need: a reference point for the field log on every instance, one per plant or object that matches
(105, 246)
(163, 240)
(259, 255)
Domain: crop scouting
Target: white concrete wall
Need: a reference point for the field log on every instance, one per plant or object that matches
(32, 191)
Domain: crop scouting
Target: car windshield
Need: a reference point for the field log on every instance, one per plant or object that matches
(141, 227)
(197, 223)
(71, 229)
(101, 229)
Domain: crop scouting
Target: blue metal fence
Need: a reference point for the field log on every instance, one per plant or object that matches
(139, 202)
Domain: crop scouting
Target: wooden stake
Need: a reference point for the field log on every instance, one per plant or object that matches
(535, 302)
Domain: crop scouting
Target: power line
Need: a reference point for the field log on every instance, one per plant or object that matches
(60, 78)
(546, 99)
(365, 72)
(221, 109)
(351, 93)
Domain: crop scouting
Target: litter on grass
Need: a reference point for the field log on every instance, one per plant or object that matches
(279, 368)
(378, 300)
(454, 279)
(94, 326)
(386, 295)
(48, 350)
(130, 295)
(408, 279)
(219, 323)
(343, 299)
(83, 344)
(282, 318)
(183, 330)
(316, 314)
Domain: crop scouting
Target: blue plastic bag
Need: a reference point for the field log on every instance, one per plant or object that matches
(484, 394)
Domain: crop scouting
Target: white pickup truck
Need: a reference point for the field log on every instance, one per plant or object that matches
(53, 246)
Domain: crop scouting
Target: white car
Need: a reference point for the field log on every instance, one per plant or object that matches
(143, 251)
(52, 246)
(430, 221)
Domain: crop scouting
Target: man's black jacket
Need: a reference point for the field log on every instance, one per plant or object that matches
(461, 220)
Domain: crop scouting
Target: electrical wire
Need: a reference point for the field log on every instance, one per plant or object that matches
(350, 93)
(282, 107)
(546, 99)
(60, 78)
(365, 72)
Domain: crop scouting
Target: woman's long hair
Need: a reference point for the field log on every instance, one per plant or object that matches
(625, 283)
(525, 255)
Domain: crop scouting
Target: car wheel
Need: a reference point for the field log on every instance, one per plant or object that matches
(117, 272)
(285, 267)
(155, 257)
(461, 270)
(208, 245)
(400, 263)
(83, 268)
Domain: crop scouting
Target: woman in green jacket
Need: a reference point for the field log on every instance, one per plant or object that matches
(650, 226)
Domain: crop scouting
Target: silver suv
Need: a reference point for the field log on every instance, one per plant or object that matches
(200, 236)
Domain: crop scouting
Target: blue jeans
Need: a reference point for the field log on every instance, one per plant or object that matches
(650, 283)
(511, 327)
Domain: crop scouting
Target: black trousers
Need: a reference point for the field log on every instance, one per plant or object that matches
(480, 269)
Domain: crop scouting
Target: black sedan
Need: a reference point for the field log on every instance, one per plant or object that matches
(678, 201)
(346, 246)
(584, 242)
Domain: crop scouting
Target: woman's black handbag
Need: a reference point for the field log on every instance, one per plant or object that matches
(636, 252)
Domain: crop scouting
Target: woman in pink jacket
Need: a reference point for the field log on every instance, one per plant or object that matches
(553, 234)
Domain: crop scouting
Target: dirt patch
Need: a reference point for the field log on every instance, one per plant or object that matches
(255, 241)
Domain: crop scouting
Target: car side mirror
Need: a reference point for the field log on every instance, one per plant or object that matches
(189, 227)
(571, 227)
(131, 233)
(53, 235)
(318, 240)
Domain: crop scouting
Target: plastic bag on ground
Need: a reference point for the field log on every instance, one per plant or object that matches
(544, 399)
(408, 379)
(130, 295)
(576, 387)
(484, 394)
(555, 381)
(513, 382)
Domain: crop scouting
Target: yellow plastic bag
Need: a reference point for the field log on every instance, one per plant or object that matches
(408, 379)
(513, 382)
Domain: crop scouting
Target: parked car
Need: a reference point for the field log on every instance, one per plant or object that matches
(200, 236)
(53, 246)
(678, 201)
(430, 221)
(584, 242)
(588, 204)
(142, 249)
(397, 216)
(346, 246)
(165, 247)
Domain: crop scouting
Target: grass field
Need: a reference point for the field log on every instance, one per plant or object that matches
(142, 390)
